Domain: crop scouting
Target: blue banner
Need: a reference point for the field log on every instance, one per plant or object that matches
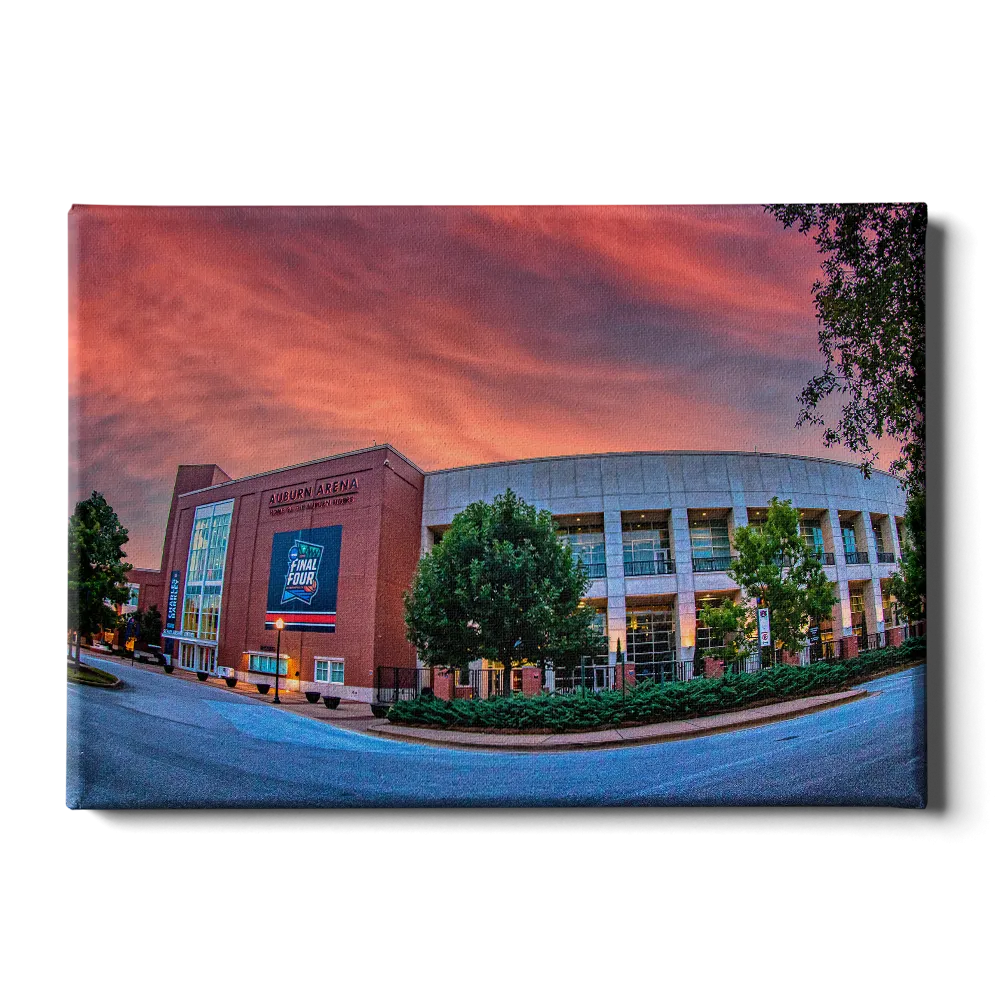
(302, 586)
(173, 595)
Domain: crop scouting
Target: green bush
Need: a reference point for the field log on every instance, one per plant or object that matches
(650, 702)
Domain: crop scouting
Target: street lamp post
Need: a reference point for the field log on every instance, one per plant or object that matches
(278, 625)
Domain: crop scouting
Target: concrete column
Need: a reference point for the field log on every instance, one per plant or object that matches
(841, 610)
(426, 540)
(687, 613)
(615, 558)
(894, 538)
(870, 542)
(838, 541)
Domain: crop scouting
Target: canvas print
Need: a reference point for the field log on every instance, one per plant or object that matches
(497, 506)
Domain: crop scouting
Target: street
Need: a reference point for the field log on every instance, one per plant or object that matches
(158, 743)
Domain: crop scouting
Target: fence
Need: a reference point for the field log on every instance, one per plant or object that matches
(485, 682)
(662, 672)
(394, 684)
(588, 678)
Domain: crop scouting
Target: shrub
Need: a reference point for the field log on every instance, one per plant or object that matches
(650, 702)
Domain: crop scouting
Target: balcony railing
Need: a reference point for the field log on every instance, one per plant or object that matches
(855, 558)
(711, 564)
(657, 566)
(887, 557)
(826, 558)
(595, 570)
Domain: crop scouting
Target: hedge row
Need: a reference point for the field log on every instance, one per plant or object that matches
(651, 702)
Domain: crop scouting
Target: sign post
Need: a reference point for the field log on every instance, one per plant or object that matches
(763, 629)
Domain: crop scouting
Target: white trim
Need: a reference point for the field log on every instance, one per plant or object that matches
(285, 658)
(330, 659)
(180, 637)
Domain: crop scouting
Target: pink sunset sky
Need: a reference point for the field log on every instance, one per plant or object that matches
(256, 338)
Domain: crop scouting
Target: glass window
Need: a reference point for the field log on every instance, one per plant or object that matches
(703, 635)
(586, 541)
(650, 643)
(709, 537)
(646, 545)
(601, 620)
(850, 541)
(812, 533)
(329, 671)
(858, 623)
(192, 604)
(206, 568)
(263, 663)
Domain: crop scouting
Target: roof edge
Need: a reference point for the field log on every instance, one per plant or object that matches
(303, 465)
(632, 454)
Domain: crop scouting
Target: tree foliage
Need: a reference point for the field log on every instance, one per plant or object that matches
(909, 585)
(501, 586)
(776, 568)
(870, 307)
(97, 567)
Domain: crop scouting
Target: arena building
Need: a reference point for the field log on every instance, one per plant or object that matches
(330, 547)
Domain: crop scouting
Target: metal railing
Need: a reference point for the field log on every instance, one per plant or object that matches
(587, 678)
(711, 564)
(874, 641)
(747, 665)
(855, 558)
(913, 629)
(657, 566)
(394, 684)
(596, 570)
(485, 682)
(827, 558)
(663, 672)
(886, 557)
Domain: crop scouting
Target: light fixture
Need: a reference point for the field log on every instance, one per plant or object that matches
(279, 624)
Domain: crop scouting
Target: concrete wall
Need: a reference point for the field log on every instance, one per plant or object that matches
(679, 482)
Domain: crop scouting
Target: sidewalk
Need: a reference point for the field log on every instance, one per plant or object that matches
(357, 717)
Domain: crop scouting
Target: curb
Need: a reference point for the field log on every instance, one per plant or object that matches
(605, 739)
(621, 738)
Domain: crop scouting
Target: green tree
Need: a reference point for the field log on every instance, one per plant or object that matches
(731, 626)
(501, 586)
(150, 626)
(97, 567)
(909, 585)
(775, 568)
(870, 307)
(872, 332)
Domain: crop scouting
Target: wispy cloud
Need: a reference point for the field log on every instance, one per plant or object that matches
(262, 337)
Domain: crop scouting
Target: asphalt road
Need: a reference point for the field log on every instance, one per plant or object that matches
(158, 743)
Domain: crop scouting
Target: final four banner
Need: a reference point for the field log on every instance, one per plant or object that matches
(302, 586)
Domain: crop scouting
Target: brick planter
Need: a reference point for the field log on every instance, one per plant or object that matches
(444, 683)
(714, 667)
(629, 675)
(531, 681)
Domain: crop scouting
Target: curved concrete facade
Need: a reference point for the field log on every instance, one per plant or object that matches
(695, 500)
